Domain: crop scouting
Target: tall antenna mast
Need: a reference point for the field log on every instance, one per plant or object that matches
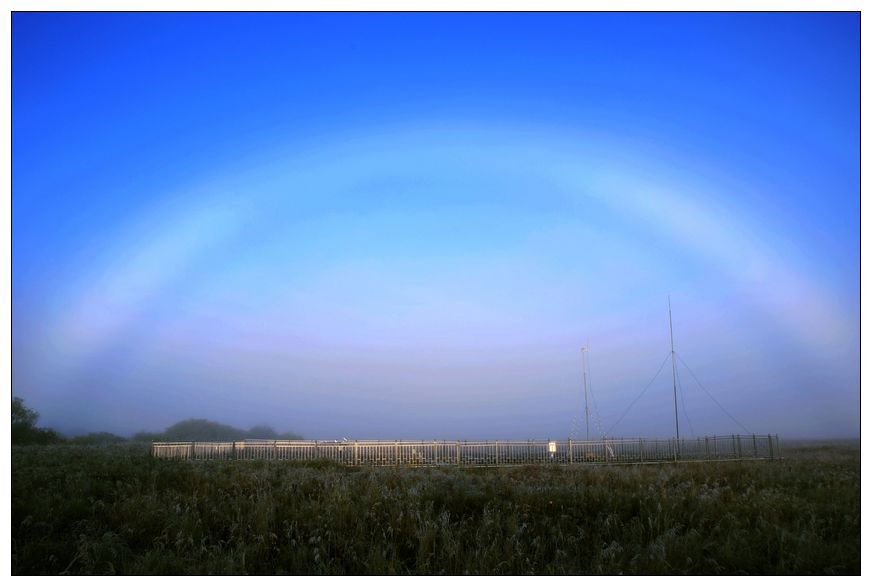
(674, 391)
(586, 410)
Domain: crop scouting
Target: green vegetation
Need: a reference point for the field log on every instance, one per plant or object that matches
(113, 509)
(98, 438)
(200, 430)
(24, 429)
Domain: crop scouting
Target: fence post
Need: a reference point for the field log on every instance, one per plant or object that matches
(440, 451)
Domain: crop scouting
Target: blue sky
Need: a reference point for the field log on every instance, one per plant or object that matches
(407, 225)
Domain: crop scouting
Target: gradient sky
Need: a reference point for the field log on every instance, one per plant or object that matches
(407, 225)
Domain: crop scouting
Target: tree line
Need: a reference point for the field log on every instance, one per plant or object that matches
(26, 431)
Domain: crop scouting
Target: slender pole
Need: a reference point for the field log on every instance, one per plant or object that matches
(586, 410)
(674, 388)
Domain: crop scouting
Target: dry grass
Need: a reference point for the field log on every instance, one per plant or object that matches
(90, 510)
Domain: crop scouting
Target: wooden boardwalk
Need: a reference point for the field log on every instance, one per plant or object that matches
(475, 453)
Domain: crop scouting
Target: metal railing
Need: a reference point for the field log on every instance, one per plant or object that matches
(482, 452)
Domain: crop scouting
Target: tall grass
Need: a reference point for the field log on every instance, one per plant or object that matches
(106, 510)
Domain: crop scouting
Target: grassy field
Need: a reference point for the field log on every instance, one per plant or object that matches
(99, 510)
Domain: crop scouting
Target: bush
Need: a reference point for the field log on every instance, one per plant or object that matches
(148, 437)
(202, 430)
(24, 429)
(99, 438)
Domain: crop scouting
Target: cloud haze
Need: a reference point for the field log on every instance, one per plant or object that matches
(428, 266)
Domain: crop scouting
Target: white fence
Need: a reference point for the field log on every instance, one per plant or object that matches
(482, 453)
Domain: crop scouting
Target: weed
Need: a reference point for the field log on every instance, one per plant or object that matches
(115, 510)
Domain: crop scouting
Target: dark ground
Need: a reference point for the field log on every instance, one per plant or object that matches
(99, 510)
